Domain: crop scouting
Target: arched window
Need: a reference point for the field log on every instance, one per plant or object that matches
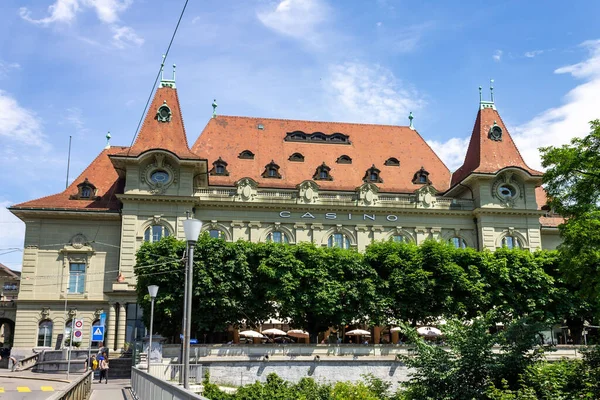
(392, 162)
(216, 234)
(458, 242)
(45, 334)
(421, 177)
(277, 237)
(86, 192)
(271, 171)
(246, 155)
(399, 239)
(155, 232)
(372, 175)
(322, 173)
(344, 159)
(296, 157)
(219, 168)
(511, 242)
(338, 240)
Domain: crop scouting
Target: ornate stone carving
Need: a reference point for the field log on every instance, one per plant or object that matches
(98, 313)
(72, 312)
(246, 189)
(368, 194)
(45, 313)
(160, 164)
(507, 189)
(78, 241)
(426, 196)
(308, 192)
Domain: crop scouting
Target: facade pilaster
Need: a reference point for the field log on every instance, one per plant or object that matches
(121, 327)
(421, 234)
(302, 233)
(238, 230)
(110, 332)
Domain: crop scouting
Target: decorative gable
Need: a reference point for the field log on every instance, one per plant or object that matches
(368, 194)
(426, 196)
(308, 192)
(85, 191)
(246, 189)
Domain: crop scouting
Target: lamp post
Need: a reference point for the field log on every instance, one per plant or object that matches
(191, 227)
(152, 291)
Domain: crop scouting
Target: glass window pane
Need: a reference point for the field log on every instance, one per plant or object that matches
(76, 278)
(147, 234)
(277, 237)
(45, 334)
(398, 238)
(157, 231)
(215, 234)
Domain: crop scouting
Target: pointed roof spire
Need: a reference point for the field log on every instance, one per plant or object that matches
(484, 103)
(214, 106)
(166, 82)
(492, 90)
(410, 118)
(491, 147)
(163, 127)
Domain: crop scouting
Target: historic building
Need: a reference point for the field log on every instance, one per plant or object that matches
(260, 179)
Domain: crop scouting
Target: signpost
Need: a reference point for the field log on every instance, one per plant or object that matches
(77, 330)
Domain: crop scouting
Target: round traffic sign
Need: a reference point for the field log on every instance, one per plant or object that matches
(78, 324)
(78, 334)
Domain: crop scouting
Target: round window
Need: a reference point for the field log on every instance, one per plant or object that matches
(507, 191)
(160, 177)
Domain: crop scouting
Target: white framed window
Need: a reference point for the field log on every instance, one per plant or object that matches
(338, 240)
(155, 232)
(277, 237)
(511, 242)
(76, 277)
(216, 234)
(399, 239)
(45, 333)
(458, 242)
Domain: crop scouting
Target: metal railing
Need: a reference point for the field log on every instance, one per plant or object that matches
(78, 390)
(144, 386)
(174, 373)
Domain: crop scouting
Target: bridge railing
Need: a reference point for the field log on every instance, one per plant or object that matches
(147, 387)
(78, 390)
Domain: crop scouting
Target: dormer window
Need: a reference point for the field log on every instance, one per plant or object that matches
(372, 175)
(322, 173)
(318, 137)
(421, 177)
(219, 168)
(164, 113)
(392, 162)
(300, 136)
(85, 191)
(344, 159)
(296, 157)
(271, 171)
(246, 155)
(338, 138)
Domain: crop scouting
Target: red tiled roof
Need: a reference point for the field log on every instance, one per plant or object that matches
(485, 155)
(227, 137)
(10, 272)
(101, 174)
(163, 135)
(541, 199)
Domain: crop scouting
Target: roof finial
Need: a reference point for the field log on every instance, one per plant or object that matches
(162, 67)
(480, 97)
(108, 140)
(492, 90)
(214, 106)
(174, 66)
(410, 118)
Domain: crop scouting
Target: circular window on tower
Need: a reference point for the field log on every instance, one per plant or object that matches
(159, 177)
(507, 191)
(164, 113)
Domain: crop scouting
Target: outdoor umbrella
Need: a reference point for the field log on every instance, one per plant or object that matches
(298, 333)
(251, 334)
(274, 332)
(396, 329)
(358, 332)
(429, 331)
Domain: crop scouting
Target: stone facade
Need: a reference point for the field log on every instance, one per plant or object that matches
(80, 245)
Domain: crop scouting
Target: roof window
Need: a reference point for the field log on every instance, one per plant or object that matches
(421, 177)
(271, 171)
(219, 168)
(296, 157)
(246, 155)
(344, 159)
(392, 162)
(372, 175)
(322, 173)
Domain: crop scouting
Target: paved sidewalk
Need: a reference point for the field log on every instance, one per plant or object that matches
(116, 389)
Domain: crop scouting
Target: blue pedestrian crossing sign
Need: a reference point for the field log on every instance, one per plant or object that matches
(98, 334)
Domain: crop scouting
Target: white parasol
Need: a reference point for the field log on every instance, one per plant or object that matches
(298, 333)
(274, 332)
(251, 334)
(358, 332)
(429, 331)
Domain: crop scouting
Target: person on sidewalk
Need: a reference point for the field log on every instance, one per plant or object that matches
(103, 361)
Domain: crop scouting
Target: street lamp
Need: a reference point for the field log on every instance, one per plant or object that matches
(192, 228)
(153, 291)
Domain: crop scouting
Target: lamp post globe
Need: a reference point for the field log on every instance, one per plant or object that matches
(152, 291)
(191, 228)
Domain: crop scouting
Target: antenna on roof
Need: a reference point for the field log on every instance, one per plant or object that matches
(162, 68)
(107, 140)
(492, 90)
(174, 66)
(485, 103)
(170, 83)
(214, 106)
(410, 118)
(480, 97)
(68, 161)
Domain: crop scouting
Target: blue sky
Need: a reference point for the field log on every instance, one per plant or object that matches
(84, 67)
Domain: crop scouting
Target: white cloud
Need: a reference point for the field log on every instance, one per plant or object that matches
(20, 124)
(497, 55)
(12, 236)
(6, 67)
(553, 127)
(371, 94)
(557, 126)
(452, 152)
(107, 11)
(124, 36)
(296, 18)
(533, 53)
